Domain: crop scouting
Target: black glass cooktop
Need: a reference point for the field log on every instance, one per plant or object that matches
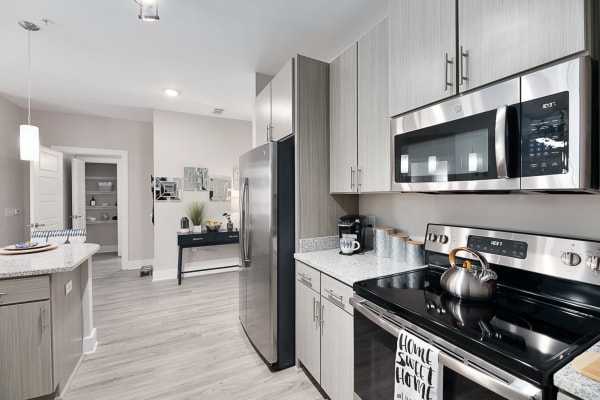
(520, 332)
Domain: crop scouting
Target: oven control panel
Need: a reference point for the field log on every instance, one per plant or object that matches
(573, 259)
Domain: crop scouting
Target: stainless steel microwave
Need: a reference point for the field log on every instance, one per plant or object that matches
(535, 132)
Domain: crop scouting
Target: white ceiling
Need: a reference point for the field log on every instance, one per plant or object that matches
(96, 57)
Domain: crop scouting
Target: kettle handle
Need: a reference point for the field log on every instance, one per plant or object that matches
(452, 257)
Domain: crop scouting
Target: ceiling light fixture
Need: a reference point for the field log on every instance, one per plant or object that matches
(29, 134)
(171, 92)
(218, 111)
(148, 10)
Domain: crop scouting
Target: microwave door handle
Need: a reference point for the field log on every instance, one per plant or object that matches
(500, 143)
(517, 389)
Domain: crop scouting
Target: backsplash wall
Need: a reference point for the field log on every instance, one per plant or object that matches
(555, 214)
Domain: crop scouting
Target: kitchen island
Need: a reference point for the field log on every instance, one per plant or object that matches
(46, 319)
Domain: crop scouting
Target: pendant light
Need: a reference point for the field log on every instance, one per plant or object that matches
(29, 134)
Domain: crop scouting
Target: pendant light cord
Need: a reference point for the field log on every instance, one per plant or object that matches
(29, 77)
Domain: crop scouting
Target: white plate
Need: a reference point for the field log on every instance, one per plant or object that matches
(25, 246)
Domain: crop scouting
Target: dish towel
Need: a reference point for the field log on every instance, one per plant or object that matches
(418, 375)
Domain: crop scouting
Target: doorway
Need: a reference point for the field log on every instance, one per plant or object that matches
(105, 178)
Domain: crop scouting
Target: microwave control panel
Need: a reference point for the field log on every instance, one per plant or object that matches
(545, 135)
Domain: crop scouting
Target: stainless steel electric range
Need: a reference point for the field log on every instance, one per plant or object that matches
(545, 312)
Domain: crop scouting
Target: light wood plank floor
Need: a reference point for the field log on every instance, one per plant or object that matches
(164, 341)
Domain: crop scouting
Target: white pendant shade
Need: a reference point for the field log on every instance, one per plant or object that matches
(30, 143)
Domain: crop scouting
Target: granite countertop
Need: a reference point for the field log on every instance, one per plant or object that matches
(354, 268)
(576, 384)
(66, 257)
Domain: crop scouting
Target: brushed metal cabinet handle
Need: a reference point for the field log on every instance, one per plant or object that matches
(315, 312)
(447, 61)
(3, 293)
(462, 75)
(321, 318)
(352, 172)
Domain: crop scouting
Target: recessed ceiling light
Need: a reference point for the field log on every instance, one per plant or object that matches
(171, 92)
(218, 111)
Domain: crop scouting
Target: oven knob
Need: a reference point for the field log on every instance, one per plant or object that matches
(432, 237)
(570, 259)
(593, 262)
(443, 239)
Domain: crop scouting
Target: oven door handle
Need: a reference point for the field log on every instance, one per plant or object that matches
(500, 143)
(515, 390)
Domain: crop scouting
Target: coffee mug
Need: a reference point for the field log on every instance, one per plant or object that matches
(348, 246)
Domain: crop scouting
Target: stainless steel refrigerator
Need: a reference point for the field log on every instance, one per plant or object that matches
(267, 232)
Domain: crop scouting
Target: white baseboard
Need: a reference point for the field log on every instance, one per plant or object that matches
(113, 248)
(137, 264)
(225, 265)
(90, 342)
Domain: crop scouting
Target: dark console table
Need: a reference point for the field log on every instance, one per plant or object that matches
(186, 240)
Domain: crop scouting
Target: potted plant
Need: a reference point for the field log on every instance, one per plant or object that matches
(195, 210)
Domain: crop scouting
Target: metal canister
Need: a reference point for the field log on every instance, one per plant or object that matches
(382, 242)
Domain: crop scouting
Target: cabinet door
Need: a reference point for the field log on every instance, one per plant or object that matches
(343, 121)
(262, 115)
(422, 45)
(337, 352)
(25, 351)
(308, 348)
(282, 102)
(506, 37)
(374, 157)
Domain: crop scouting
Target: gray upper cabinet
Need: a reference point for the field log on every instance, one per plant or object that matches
(500, 38)
(274, 107)
(422, 53)
(496, 39)
(343, 122)
(282, 102)
(359, 123)
(262, 115)
(374, 156)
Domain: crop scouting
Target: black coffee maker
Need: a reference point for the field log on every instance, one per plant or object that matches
(353, 226)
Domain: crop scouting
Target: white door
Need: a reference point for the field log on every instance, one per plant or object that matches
(46, 191)
(78, 193)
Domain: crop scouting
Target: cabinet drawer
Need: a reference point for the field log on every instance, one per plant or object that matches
(228, 237)
(308, 276)
(24, 290)
(197, 239)
(336, 292)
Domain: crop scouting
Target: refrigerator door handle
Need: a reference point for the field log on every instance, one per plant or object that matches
(245, 233)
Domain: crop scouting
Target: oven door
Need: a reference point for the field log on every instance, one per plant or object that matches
(464, 376)
(469, 143)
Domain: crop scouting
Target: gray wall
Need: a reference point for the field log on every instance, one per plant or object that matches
(575, 215)
(11, 169)
(187, 140)
(61, 129)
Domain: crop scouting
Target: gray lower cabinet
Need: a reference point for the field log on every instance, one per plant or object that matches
(324, 331)
(564, 396)
(439, 48)
(359, 124)
(25, 339)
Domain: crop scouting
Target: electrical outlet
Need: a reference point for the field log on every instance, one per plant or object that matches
(370, 221)
(68, 287)
(17, 211)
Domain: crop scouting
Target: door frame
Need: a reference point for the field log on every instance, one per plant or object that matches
(120, 158)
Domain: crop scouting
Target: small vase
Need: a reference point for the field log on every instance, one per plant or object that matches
(229, 226)
(196, 228)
